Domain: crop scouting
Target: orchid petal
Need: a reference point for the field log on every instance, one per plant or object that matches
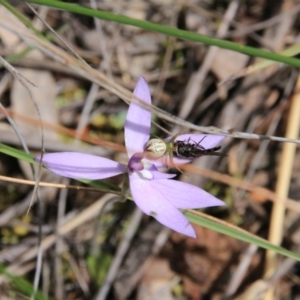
(166, 160)
(207, 141)
(137, 163)
(138, 120)
(185, 196)
(158, 163)
(157, 205)
(159, 175)
(81, 165)
(154, 174)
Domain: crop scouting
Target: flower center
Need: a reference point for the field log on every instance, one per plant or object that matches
(139, 165)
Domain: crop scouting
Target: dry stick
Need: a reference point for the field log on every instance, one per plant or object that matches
(240, 272)
(257, 289)
(275, 41)
(124, 94)
(15, 210)
(264, 144)
(14, 126)
(99, 78)
(88, 105)
(55, 33)
(15, 129)
(256, 161)
(4, 83)
(47, 64)
(94, 88)
(282, 187)
(243, 30)
(23, 82)
(64, 193)
(121, 252)
(84, 216)
(58, 269)
(165, 67)
(59, 279)
(35, 193)
(102, 42)
(159, 242)
(194, 86)
(84, 118)
(234, 182)
(223, 178)
(246, 258)
(80, 276)
(241, 184)
(57, 185)
(7, 137)
(67, 131)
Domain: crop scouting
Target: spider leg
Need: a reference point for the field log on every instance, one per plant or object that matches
(171, 145)
(172, 164)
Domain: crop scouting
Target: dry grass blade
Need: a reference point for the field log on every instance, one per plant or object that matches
(282, 186)
(84, 216)
(99, 78)
(86, 236)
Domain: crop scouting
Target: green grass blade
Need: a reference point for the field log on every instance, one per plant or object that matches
(16, 153)
(16, 56)
(207, 222)
(262, 64)
(101, 185)
(182, 34)
(238, 233)
(21, 17)
(22, 285)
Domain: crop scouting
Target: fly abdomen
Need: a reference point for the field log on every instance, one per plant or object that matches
(190, 149)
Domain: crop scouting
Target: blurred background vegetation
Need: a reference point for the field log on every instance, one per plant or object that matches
(94, 246)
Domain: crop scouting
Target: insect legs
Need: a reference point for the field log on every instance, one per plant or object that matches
(190, 149)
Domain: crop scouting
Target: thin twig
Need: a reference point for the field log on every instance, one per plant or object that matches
(282, 186)
(102, 80)
(121, 251)
(193, 88)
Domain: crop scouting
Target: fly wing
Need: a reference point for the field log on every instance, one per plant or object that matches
(197, 152)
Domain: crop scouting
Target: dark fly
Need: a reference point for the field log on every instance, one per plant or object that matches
(190, 149)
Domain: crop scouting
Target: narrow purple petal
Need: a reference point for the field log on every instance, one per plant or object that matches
(159, 175)
(154, 203)
(164, 161)
(81, 165)
(184, 195)
(158, 163)
(206, 140)
(138, 120)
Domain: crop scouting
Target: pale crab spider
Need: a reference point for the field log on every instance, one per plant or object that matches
(187, 149)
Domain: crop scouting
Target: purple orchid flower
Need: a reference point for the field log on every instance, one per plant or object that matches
(153, 192)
